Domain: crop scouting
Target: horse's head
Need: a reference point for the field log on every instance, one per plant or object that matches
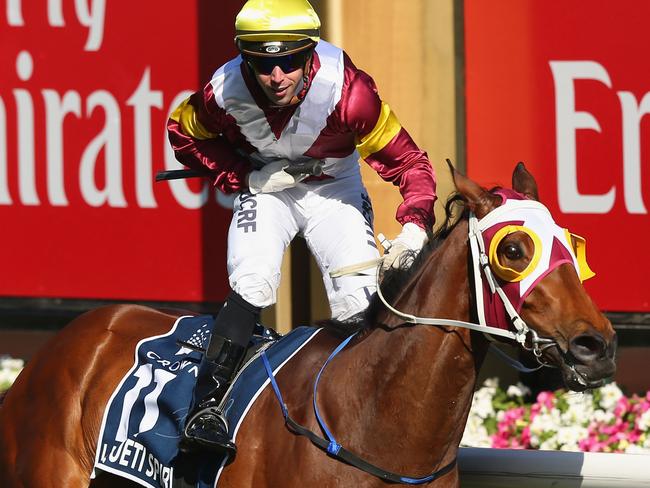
(539, 267)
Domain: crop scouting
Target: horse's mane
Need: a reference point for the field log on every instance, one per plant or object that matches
(394, 279)
(2, 396)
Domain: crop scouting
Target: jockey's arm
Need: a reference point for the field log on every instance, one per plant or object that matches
(196, 137)
(388, 148)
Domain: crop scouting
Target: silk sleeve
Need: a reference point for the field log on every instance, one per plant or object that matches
(197, 130)
(388, 148)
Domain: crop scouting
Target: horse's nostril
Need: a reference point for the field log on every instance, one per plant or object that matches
(588, 347)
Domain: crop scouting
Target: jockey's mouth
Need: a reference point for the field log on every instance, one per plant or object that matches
(280, 91)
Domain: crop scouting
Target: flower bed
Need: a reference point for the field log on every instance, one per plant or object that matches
(602, 420)
(9, 370)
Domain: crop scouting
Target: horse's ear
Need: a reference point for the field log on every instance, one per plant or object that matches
(523, 182)
(480, 201)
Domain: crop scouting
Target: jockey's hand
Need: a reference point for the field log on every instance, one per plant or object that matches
(412, 238)
(272, 177)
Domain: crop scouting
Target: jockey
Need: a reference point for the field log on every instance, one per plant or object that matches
(288, 98)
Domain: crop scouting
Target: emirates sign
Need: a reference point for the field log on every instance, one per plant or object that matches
(86, 90)
(565, 88)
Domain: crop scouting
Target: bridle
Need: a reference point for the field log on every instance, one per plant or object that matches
(526, 337)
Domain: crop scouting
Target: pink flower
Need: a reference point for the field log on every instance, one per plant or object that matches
(590, 444)
(622, 406)
(546, 398)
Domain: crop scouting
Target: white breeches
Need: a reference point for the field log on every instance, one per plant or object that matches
(334, 217)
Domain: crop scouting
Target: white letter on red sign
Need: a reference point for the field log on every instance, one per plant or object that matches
(5, 198)
(109, 138)
(25, 106)
(15, 13)
(93, 18)
(142, 100)
(56, 108)
(632, 115)
(567, 122)
(55, 13)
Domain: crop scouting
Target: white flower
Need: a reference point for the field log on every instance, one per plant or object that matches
(482, 403)
(545, 422)
(603, 416)
(475, 434)
(12, 363)
(492, 383)
(610, 394)
(580, 409)
(548, 445)
(570, 435)
(643, 421)
(9, 370)
(519, 390)
(570, 447)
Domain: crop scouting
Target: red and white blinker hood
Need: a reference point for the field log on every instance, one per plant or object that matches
(501, 294)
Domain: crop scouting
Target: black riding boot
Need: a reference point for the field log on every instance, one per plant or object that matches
(206, 427)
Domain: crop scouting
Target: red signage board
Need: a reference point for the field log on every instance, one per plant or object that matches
(564, 86)
(85, 92)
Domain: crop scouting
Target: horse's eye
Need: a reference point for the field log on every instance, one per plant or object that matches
(513, 252)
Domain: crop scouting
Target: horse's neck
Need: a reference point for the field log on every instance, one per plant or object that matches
(416, 382)
(440, 288)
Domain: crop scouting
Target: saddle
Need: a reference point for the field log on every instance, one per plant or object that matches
(261, 337)
(148, 410)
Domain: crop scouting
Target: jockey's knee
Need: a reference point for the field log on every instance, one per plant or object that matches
(257, 288)
(347, 305)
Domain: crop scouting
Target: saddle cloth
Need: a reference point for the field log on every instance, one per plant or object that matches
(145, 415)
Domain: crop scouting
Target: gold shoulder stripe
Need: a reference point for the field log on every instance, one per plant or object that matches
(185, 115)
(386, 128)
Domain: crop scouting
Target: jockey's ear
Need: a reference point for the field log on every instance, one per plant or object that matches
(524, 183)
(480, 201)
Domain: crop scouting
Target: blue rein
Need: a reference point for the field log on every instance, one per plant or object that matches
(330, 445)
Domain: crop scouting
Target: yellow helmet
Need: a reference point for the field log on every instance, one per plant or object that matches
(276, 27)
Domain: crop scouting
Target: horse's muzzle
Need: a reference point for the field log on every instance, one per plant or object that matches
(589, 361)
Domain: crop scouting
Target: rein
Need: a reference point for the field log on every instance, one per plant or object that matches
(330, 445)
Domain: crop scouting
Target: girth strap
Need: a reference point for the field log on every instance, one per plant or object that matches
(333, 448)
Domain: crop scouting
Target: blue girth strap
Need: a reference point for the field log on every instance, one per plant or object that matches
(330, 445)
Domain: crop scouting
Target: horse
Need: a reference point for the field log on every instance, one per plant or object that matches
(398, 395)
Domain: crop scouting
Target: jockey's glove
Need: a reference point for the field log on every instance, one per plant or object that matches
(272, 177)
(408, 243)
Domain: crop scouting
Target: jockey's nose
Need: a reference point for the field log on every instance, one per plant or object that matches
(277, 75)
(587, 348)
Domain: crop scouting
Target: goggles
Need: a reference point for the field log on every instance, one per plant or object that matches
(288, 63)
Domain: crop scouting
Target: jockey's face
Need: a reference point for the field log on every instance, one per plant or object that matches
(280, 87)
